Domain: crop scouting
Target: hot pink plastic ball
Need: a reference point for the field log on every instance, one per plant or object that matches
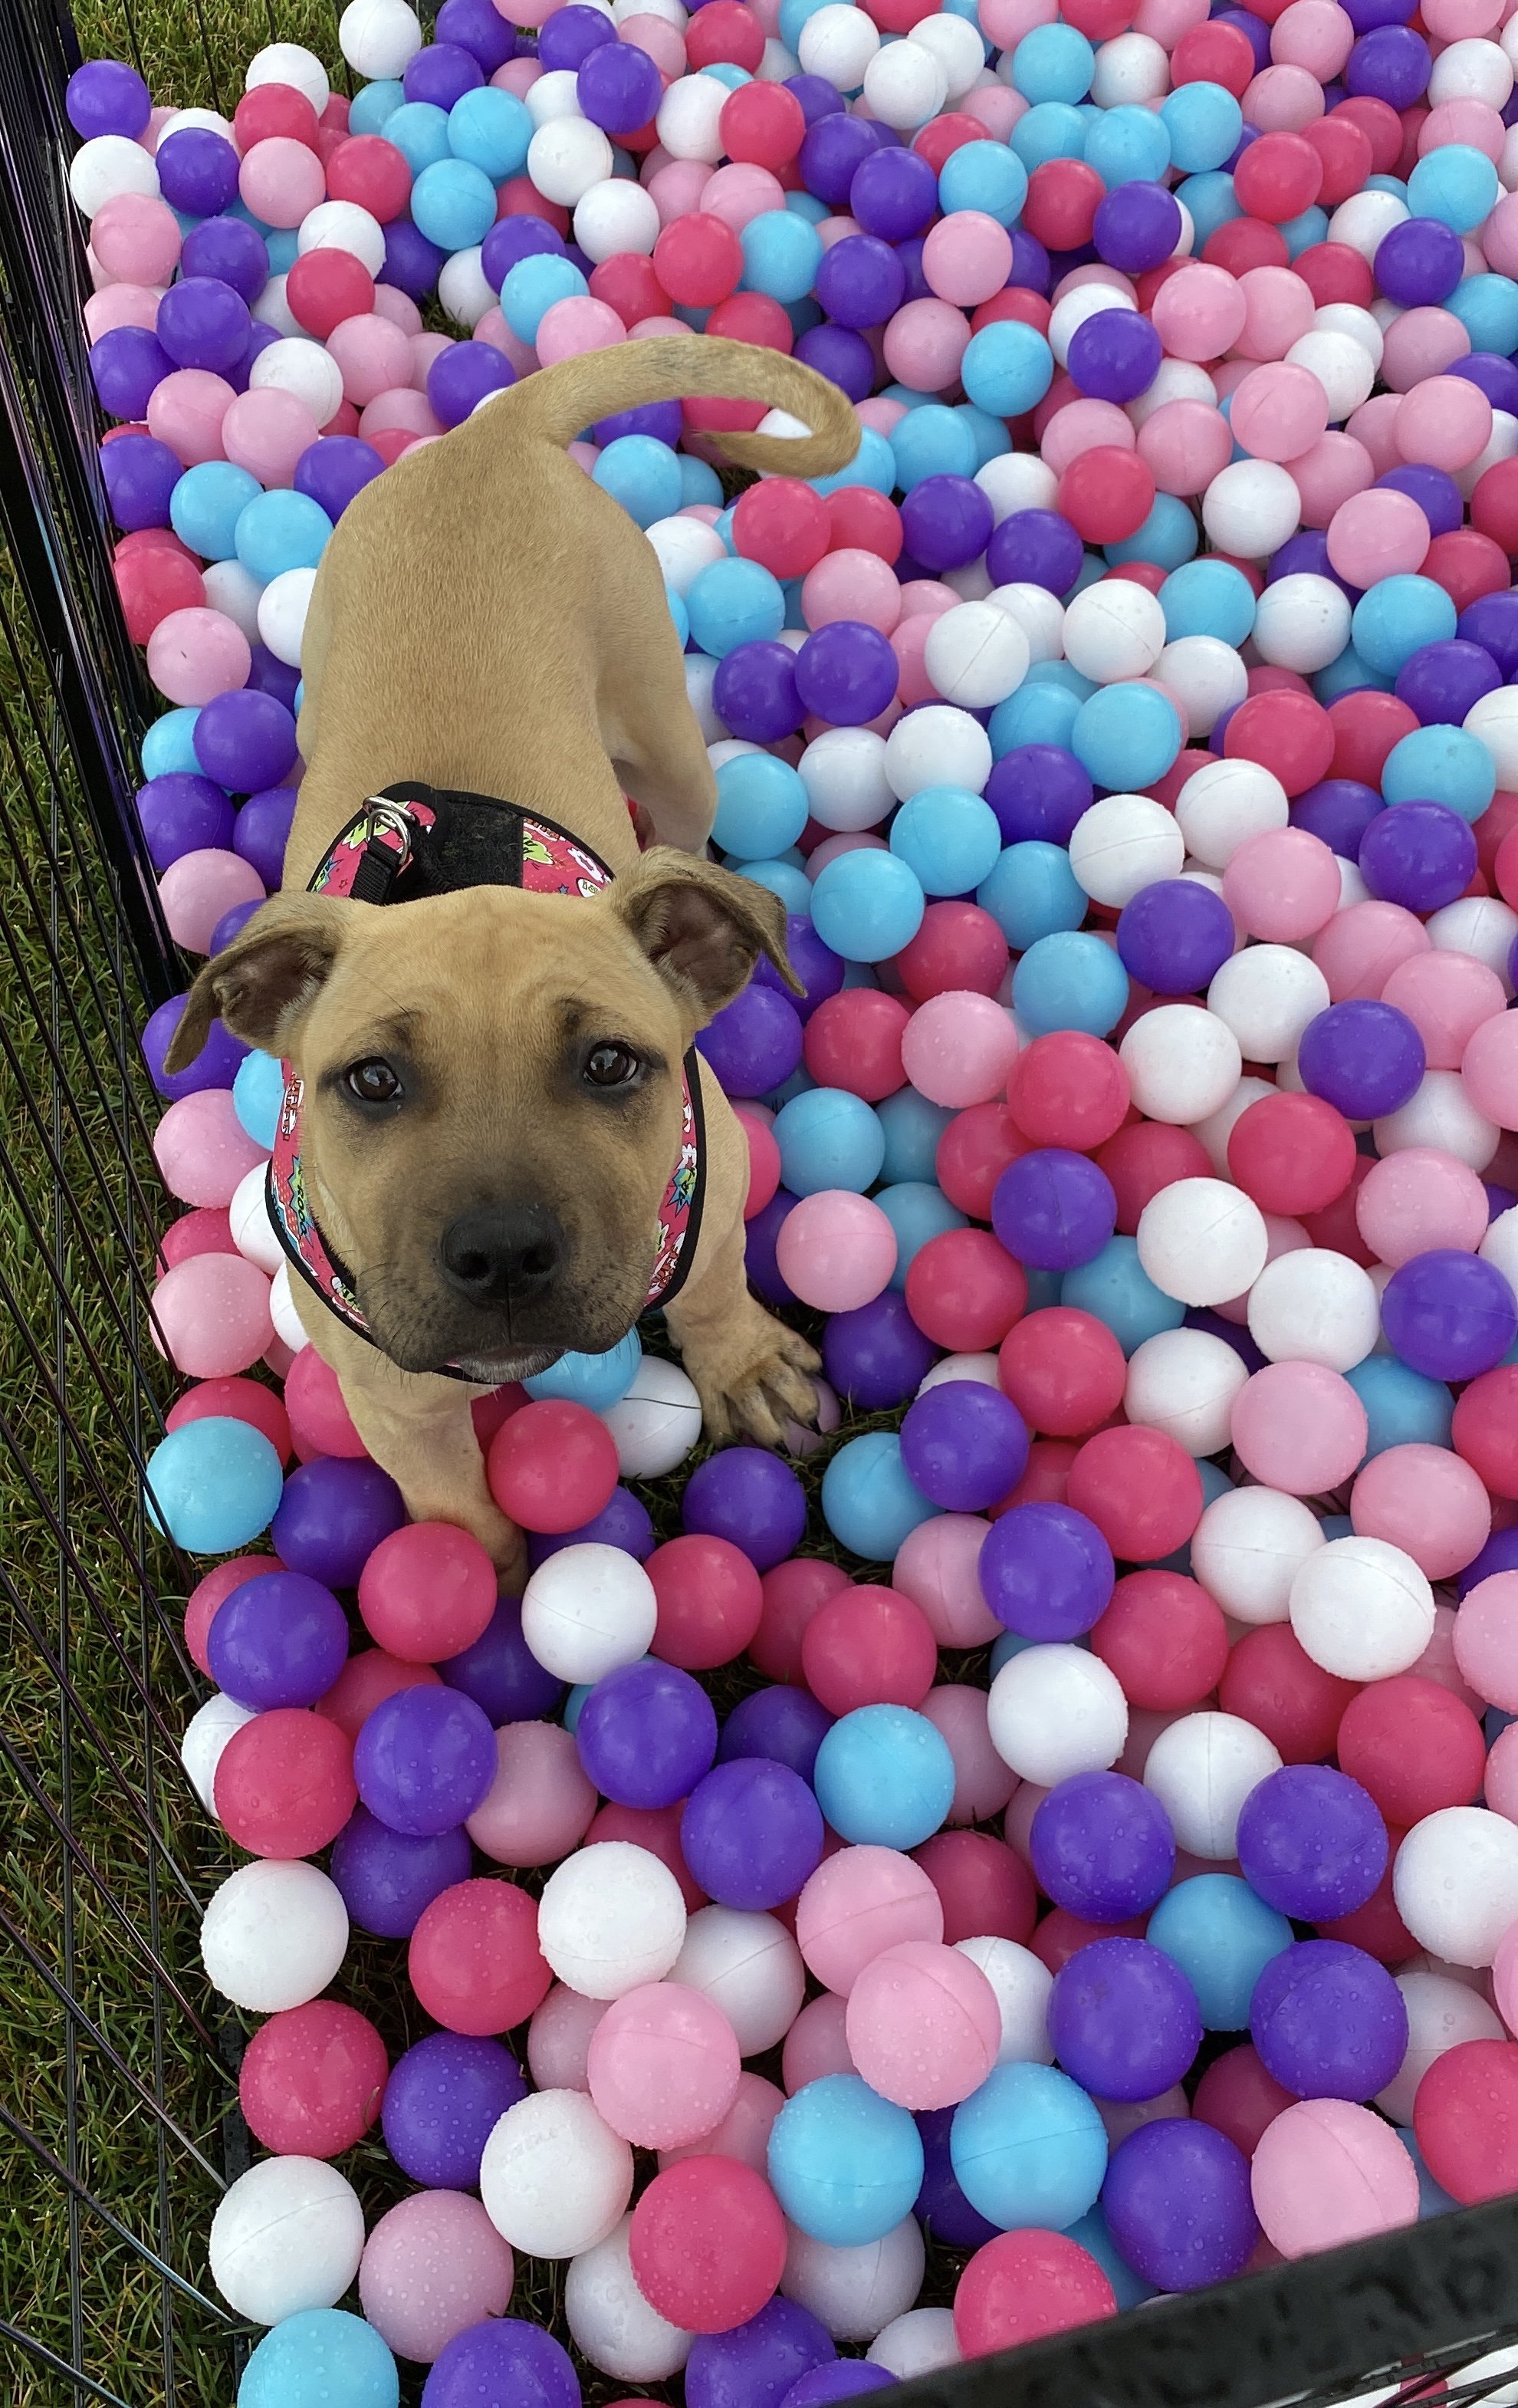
(427, 1592)
(923, 2025)
(706, 2244)
(197, 889)
(187, 411)
(431, 2268)
(1299, 1426)
(266, 431)
(664, 2065)
(282, 180)
(312, 2078)
(212, 1591)
(958, 1049)
(203, 1148)
(1325, 2172)
(196, 654)
(835, 1250)
(474, 1960)
(1427, 1502)
(1420, 1199)
(1025, 2286)
(364, 1682)
(1283, 886)
(320, 1422)
(211, 1316)
(542, 1802)
(857, 1903)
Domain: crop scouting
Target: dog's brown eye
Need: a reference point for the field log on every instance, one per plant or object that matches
(373, 1081)
(611, 1066)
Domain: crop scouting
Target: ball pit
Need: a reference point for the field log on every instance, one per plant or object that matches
(1126, 732)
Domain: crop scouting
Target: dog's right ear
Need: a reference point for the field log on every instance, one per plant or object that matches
(260, 983)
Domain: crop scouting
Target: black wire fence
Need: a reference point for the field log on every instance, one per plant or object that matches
(118, 2100)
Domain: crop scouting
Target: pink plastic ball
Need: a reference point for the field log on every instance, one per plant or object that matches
(923, 2025)
(958, 1049)
(1185, 445)
(983, 1784)
(936, 1566)
(1283, 886)
(137, 239)
(817, 2043)
(373, 355)
(1489, 1070)
(1336, 467)
(851, 584)
(857, 1903)
(835, 1250)
(1361, 947)
(1299, 1426)
(664, 2065)
(427, 1592)
(1377, 534)
(282, 180)
(967, 257)
(187, 411)
(196, 654)
(924, 344)
(578, 325)
(266, 431)
(1420, 1199)
(540, 1804)
(211, 1316)
(1444, 422)
(1325, 2172)
(432, 2266)
(1279, 412)
(1447, 996)
(197, 889)
(559, 2039)
(1428, 1503)
(744, 2130)
(1486, 1639)
(203, 1150)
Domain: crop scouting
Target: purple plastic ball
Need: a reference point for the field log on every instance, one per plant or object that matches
(107, 97)
(267, 675)
(245, 740)
(1175, 936)
(747, 1495)
(1328, 2021)
(754, 1044)
(841, 355)
(198, 171)
(816, 965)
(1115, 354)
(1437, 495)
(846, 672)
(179, 812)
(278, 1640)
(1311, 1843)
(754, 693)
(1035, 547)
(442, 73)
(1419, 855)
(424, 1760)
(333, 1514)
(262, 831)
(443, 2100)
(231, 924)
(1136, 225)
(511, 240)
(646, 1734)
(1500, 1554)
(463, 376)
(1053, 1209)
(140, 475)
(203, 323)
(964, 1445)
(817, 97)
(860, 282)
(478, 27)
(1102, 1847)
(1448, 1314)
(1441, 683)
(624, 1521)
(755, 2365)
(569, 38)
(833, 149)
(215, 1064)
(786, 1724)
(947, 521)
(229, 249)
(847, 2378)
(876, 1355)
(894, 195)
(333, 468)
(1365, 1058)
(759, 1236)
(501, 1673)
(1177, 2205)
(1124, 2019)
(126, 365)
(503, 2358)
(751, 1833)
(1039, 792)
(618, 87)
(941, 2207)
(663, 420)
(1496, 377)
(1420, 262)
(410, 261)
(1046, 1571)
(1337, 811)
(387, 1881)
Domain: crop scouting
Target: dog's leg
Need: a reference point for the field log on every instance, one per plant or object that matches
(649, 727)
(752, 1373)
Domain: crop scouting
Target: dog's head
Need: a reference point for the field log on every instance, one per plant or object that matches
(493, 1092)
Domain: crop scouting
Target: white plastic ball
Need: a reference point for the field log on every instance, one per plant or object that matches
(108, 165)
(984, 1368)
(1022, 1983)
(844, 773)
(1073, 307)
(687, 118)
(296, 364)
(1314, 1306)
(657, 1422)
(1441, 2015)
(273, 1935)
(937, 746)
(1456, 1883)
(1224, 803)
(1249, 1547)
(1202, 1242)
(1183, 1382)
(1344, 368)
(1440, 1114)
(1131, 70)
(1114, 630)
(1365, 221)
(610, 1917)
(252, 1231)
(1182, 1062)
(1362, 1609)
(1201, 1769)
(1017, 481)
(1207, 675)
(777, 64)
(553, 96)
(206, 1735)
(1348, 318)
(855, 2291)
(1251, 508)
(463, 290)
(616, 216)
(1057, 1710)
(919, 2343)
(208, 121)
(1501, 444)
(566, 157)
(1482, 925)
(1471, 69)
(287, 2235)
(750, 1965)
(1122, 844)
(342, 225)
(292, 64)
(610, 2321)
(700, 677)
(976, 655)
(282, 607)
(1499, 1247)
(1039, 613)
(957, 46)
(1177, 380)
(837, 43)
(1494, 717)
(1302, 623)
(1216, 1127)
(672, 11)
(555, 2178)
(586, 1610)
(378, 38)
(288, 1325)
(683, 548)
(1267, 994)
(229, 588)
(272, 308)
(905, 84)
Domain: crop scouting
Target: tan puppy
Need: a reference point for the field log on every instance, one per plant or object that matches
(492, 1079)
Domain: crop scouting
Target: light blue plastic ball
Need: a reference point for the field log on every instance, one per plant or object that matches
(642, 474)
(1071, 980)
(1349, 674)
(1222, 1937)
(212, 1485)
(1029, 2149)
(420, 134)
(679, 613)
(948, 837)
(728, 72)
(1052, 129)
(1209, 197)
(282, 243)
(917, 1210)
(828, 1138)
(1128, 145)
(1403, 1406)
(1006, 1644)
(866, 905)
(205, 504)
(1091, 2234)
(280, 530)
(992, 440)
(931, 441)
(869, 1503)
(912, 1128)
(781, 254)
(1053, 63)
(1433, 2200)
(1032, 892)
(884, 1777)
(1168, 537)
(1115, 1289)
(734, 602)
(257, 1093)
(595, 1381)
(1457, 184)
(453, 204)
(1396, 617)
(761, 806)
(1441, 764)
(491, 130)
(873, 465)
(1037, 713)
(1300, 233)
(1208, 597)
(317, 2358)
(1487, 307)
(1008, 367)
(698, 481)
(844, 2163)
(783, 878)
(375, 105)
(983, 175)
(533, 286)
(1129, 735)
(168, 744)
(1204, 122)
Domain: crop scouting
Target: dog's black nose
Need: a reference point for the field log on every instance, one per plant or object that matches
(503, 1254)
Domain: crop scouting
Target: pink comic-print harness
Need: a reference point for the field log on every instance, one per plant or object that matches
(369, 861)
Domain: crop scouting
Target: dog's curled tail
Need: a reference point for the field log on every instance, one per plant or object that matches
(561, 402)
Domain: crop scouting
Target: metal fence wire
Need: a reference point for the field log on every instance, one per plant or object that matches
(118, 2092)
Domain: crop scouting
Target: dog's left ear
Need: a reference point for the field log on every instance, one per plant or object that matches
(702, 928)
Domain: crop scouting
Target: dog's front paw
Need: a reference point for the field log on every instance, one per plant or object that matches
(755, 1381)
(503, 1542)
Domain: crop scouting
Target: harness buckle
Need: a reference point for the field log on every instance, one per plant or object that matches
(392, 819)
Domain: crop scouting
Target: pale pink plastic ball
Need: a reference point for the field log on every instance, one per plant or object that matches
(1489, 1069)
(197, 653)
(857, 1903)
(1317, 34)
(266, 431)
(1447, 996)
(1005, 22)
(494, 330)
(1336, 467)
(187, 411)
(1437, 1662)
(1199, 313)
(848, 840)
(1325, 2172)
(120, 305)
(210, 1315)
(423, 349)
(817, 2043)
(1185, 445)
(1082, 426)
(1472, 121)
(281, 181)
(924, 343)
(578, 325)
(1279, 412)
(744, 2130)
(1283, 100)
(1282, 885)
(997, 108)
(851, 584)
(983, 1784)
(967, 257)
(1418, 1200)
(559, 2039)
(520, 75)
(878, 412)
(1486, 1639)
(432, 2266)
(1425, 1500)
(1444, 422)
(400, 411)
(935, 1566)
(540, 1802)
(1278, 308)
(1461, 21)
(1361, 947)
(1499, 236)
(1377, 533)
(836, 1251)
(203, 1150)
(137, 239)
(923, 2025)
(1505, 1963)
(1374, 424)
(373, 355)
(741, 191)
(958, 1049)
(675, 189)
(1299, 1426)
(664, 2065)
(1422, 343)
(197, 889)
(398, 307)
